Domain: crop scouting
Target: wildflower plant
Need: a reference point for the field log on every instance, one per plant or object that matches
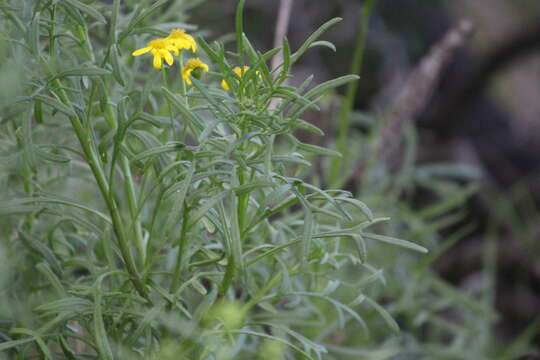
(158, 215)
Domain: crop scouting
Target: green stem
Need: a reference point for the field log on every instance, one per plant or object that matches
(180, 256)
(183, 92)
(183, 88)
(29, 190)
(345, 112)
(243, 202)
(164, 72)
(164, 77)
(133, 208)
(52, 30)
(260, 294)
(97, 170)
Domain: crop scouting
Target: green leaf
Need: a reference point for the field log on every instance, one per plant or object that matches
(392, 324)
(43, 348)
(43, 250)
(203, 209)
(208, 50)
(13, 343)
(220, 108)
(8, 206)
(82, 71)
(236, 237)
(318, 150)
(395, 241)
(272, 252)
(53, 279)
(180, 193)
(330, 84)
(257, 184)
(68, 304)
(140, 16)
(38, 113)
(100, 332)
(359, 205)
(150, 316)
(172, 147)
(286, 53)
(293, 158)
(326, 44)
(340, 307)
(33, 34)
(194, 121)
(250, 50)
(57, 105)
(308, 345)
(117, 69)
(114, 22)
(68, 352)
(239, 26)
(311, 39)
(307, 126)
(87, 9)
(262, 335)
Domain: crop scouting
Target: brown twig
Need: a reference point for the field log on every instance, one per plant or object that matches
(282, 25)
(418, 90)
(449, 111)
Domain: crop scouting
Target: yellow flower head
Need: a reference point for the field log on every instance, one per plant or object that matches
(161, 49)
(190, 66)
(238, 71)
(180, 40)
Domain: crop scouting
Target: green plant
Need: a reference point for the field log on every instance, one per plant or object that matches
(146, 218)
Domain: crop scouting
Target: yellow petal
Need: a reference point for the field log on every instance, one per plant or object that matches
(240, 71)
(168, 57)
(186, 77)
(193, 45)
(224, 85)
(141, 51)
(157, 61)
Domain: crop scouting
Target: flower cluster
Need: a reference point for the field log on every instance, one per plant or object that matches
(177, 41)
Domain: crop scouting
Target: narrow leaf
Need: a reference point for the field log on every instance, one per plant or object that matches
(57, 105)
(394, 241)
(310, 40)
(87, 9)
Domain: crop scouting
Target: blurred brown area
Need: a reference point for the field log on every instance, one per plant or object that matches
(483, 111)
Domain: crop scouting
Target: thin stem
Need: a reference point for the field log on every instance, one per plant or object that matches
(183, 231)
(180, 256)
(132, 201)
(29, 190)
(164, 76)
(97, 170)
(52, 30)
(183, 92)
(346, 109)
(243, 202)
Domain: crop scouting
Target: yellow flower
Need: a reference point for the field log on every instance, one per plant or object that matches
(190, 66)
(238, 71)
(180, 40)
(161, 49)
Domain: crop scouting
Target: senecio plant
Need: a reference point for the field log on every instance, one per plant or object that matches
(165, 211)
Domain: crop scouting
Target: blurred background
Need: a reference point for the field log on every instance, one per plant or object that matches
(476, 108)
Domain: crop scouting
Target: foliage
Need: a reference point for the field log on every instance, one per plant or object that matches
(146, 217)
